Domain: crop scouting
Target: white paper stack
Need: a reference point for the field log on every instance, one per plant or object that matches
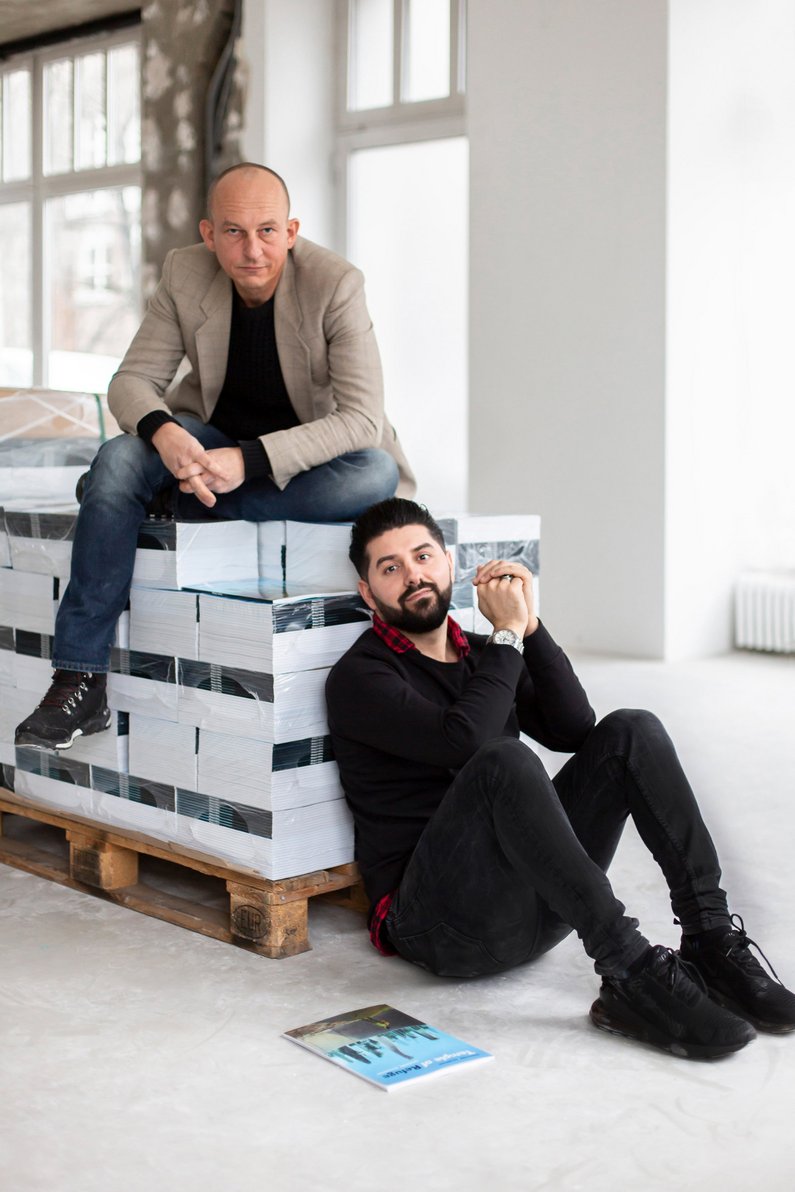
(7, 776)
(465, 617)
(143, 683)
(99, 794)
(121, 637)
(164, 622)
(278, 844)
(43, 473)
(28, 601)
(110, 749)
(219, 735)
(187, 554)
(49, 439)
(477, 538)
(32, 664)
(54, 779)
(270, 557)
(7, 656)
(274, 636)
(163, 751)
(271, 777)
(9, 719)
(316, 558)
(251, 704)
(132, 802)
(41, 542)
(5, 553)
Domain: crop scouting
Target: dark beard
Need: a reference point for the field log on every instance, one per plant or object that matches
(420, 620)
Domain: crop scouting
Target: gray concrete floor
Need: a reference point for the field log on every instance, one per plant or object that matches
(138, 1056)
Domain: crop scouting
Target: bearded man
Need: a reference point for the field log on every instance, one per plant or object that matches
(474, 860)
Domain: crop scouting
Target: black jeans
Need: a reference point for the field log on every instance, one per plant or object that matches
(512, 860)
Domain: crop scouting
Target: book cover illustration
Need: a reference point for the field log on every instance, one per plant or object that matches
(386, 1046)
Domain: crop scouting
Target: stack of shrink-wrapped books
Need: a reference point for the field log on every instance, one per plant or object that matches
(218, 738)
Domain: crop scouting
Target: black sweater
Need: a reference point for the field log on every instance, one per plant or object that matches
(254, 400)
(402, 726)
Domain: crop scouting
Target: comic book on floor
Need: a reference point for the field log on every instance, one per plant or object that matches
(386, 1046)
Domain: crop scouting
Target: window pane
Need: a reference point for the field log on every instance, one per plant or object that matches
(416, 273)
(16, 354)
(426, 44)
(93, 241)
(58, 108)
(124, 108)
(16, 125)
(90, 80)
(371, 43)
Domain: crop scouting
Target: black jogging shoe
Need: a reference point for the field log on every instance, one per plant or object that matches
(666, 1005)
(736, 979)
(74, 706)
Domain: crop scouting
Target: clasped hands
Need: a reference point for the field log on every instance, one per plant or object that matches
(199, 470)
(505, 596)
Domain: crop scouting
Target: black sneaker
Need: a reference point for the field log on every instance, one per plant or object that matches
(74, 706)
(666, 1005)
(736, 979)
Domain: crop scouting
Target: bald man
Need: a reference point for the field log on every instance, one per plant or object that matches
(277, 414)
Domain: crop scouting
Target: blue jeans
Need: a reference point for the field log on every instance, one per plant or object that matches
(511, 861)
(126, 474)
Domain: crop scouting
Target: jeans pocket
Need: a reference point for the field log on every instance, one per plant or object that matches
(447, 952)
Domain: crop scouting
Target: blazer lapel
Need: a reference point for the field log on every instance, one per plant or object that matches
(294, 356)
(212, 339)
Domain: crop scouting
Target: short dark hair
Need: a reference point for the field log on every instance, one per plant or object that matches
(243, 165)
(392, 514)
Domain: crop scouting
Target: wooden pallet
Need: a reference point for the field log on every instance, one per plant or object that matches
(227, 902)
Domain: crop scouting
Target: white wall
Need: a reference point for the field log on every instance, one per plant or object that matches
(288, 52)
(417, 299)
(409, 225)
(633, 265)
(567, 112)
(632, 274)
(731, 289)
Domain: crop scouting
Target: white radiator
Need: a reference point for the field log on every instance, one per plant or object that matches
(764, 617)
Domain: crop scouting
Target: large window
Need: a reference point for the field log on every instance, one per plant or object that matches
(401, 53)
(70, 147)
(405, 173)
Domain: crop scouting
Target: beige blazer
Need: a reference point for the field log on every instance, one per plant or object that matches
(327, 351)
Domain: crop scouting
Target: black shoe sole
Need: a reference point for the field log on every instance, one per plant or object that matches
(770, 1028)
(97, 724)
(630, 1027)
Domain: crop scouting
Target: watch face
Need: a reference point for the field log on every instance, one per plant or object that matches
(506, 637)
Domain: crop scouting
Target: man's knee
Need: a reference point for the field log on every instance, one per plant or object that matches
(627, 725)
(510, 762)
(377, 474)
(120, 454)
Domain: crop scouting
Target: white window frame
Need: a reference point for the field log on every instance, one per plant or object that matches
(402, 121)
(39, 188)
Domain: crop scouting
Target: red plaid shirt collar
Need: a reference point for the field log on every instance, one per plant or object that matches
(398, 641)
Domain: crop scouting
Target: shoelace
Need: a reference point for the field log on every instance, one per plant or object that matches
(65, 691)
(678, 968)
(739, 949)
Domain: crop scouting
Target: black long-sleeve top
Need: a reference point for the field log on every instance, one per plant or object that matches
(402, 726)
(253, 400)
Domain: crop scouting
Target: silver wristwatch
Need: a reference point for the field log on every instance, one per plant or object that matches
(507, 637)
